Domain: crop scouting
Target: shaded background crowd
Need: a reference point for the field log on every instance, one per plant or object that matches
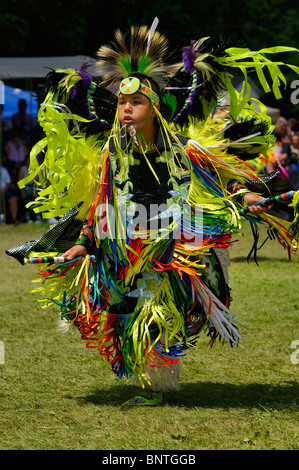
(286, 150)
(22, 131)
(18, 135)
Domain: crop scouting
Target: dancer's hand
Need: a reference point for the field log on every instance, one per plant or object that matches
(257, 209)
(75, 252)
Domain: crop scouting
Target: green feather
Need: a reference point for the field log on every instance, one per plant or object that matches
(125, 63)
(144, 64)
(171, 101)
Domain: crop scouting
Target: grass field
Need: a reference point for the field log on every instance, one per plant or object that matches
(57, 395)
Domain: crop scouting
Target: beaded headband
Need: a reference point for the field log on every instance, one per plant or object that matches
(132, 85)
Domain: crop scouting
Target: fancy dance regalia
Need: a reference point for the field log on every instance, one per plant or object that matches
(157, 221)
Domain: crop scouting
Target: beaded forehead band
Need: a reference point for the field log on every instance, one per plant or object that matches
(132, 85)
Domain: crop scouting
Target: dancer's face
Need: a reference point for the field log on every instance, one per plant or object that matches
(136, 110)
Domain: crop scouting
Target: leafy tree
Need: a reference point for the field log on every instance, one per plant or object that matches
(71, 27)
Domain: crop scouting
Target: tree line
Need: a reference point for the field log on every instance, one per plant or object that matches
(75, 27)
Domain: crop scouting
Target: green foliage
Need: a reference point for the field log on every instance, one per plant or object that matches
(58, 395)
(81, 26)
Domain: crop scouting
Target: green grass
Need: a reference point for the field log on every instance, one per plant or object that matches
(57, 395)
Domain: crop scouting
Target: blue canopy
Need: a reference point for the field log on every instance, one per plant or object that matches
(12, 96)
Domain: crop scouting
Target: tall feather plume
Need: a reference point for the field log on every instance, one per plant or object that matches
(143, 51)
(151, 32)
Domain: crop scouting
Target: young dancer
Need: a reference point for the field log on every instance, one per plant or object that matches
(149, 188)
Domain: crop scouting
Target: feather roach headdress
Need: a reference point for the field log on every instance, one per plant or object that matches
(143, 51)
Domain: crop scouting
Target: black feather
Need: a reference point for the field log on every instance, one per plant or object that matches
(204, 87)
(76, 101)
(243, 129)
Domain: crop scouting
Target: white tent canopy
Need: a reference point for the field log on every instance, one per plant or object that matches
(38, 67)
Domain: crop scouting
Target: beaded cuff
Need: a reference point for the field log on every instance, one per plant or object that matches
(239, 191)
(86, 239)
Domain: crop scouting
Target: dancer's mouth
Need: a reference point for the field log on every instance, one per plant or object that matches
(128, 120)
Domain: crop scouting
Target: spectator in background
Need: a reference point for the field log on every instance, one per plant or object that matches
(294, 149)
(291, 126)
(294, 161)
(27, 193)
(281, 128)
(25, 122)
(279, 154)
(6, 126)
(16, 153)
(7, 196)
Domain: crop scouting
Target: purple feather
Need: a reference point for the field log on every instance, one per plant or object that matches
(86, 79)
(189, 57)
(84, 74)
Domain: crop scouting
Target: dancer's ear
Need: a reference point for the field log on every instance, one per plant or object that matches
(154, 107)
